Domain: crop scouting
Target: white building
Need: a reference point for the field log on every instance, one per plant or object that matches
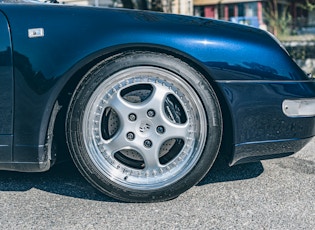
(183, 7)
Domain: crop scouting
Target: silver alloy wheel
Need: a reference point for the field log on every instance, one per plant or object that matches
(144, 128)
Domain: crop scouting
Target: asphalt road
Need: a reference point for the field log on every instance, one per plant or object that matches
(274, 194)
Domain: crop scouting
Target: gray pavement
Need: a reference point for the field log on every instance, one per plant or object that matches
(273, 194)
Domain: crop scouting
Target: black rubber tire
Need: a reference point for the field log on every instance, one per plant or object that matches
(104, 71)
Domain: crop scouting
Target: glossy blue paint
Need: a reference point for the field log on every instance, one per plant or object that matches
(259, 125)
(252, 72)
(6, 92)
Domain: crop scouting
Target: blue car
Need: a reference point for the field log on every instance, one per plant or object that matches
(144, 102)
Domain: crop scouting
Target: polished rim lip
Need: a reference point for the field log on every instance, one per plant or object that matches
(144, 180)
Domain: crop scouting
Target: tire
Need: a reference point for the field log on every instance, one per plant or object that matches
(143, 126)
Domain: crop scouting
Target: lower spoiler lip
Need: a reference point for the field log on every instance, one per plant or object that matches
(299, 107)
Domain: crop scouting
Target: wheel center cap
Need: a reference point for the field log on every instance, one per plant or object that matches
(145, 127)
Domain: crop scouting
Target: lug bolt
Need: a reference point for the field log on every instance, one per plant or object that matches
(132, 117)
(130, 136)
(147, 143)
(151, 113)
(160, 129)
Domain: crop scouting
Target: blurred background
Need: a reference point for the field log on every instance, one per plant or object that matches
(291, 21)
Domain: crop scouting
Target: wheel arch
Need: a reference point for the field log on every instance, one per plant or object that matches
(62, 101)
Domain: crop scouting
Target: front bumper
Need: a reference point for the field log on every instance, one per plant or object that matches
(263, 150)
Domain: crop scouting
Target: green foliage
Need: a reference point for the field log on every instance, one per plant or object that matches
(284, 22)
(301, 52)
(279, 21)
(310, 6)
(300, 47)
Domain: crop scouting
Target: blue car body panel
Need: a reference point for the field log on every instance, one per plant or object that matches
(250, 71)
(6, 92)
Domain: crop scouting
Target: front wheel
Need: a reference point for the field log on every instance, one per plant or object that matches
(144, 126)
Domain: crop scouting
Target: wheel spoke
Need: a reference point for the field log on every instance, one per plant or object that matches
(151, 158)
(121, 106)
(115, 144)
(180, 131)
(156, 101)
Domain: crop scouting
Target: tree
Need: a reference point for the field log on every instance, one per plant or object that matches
(309, 6)
(278, 18)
